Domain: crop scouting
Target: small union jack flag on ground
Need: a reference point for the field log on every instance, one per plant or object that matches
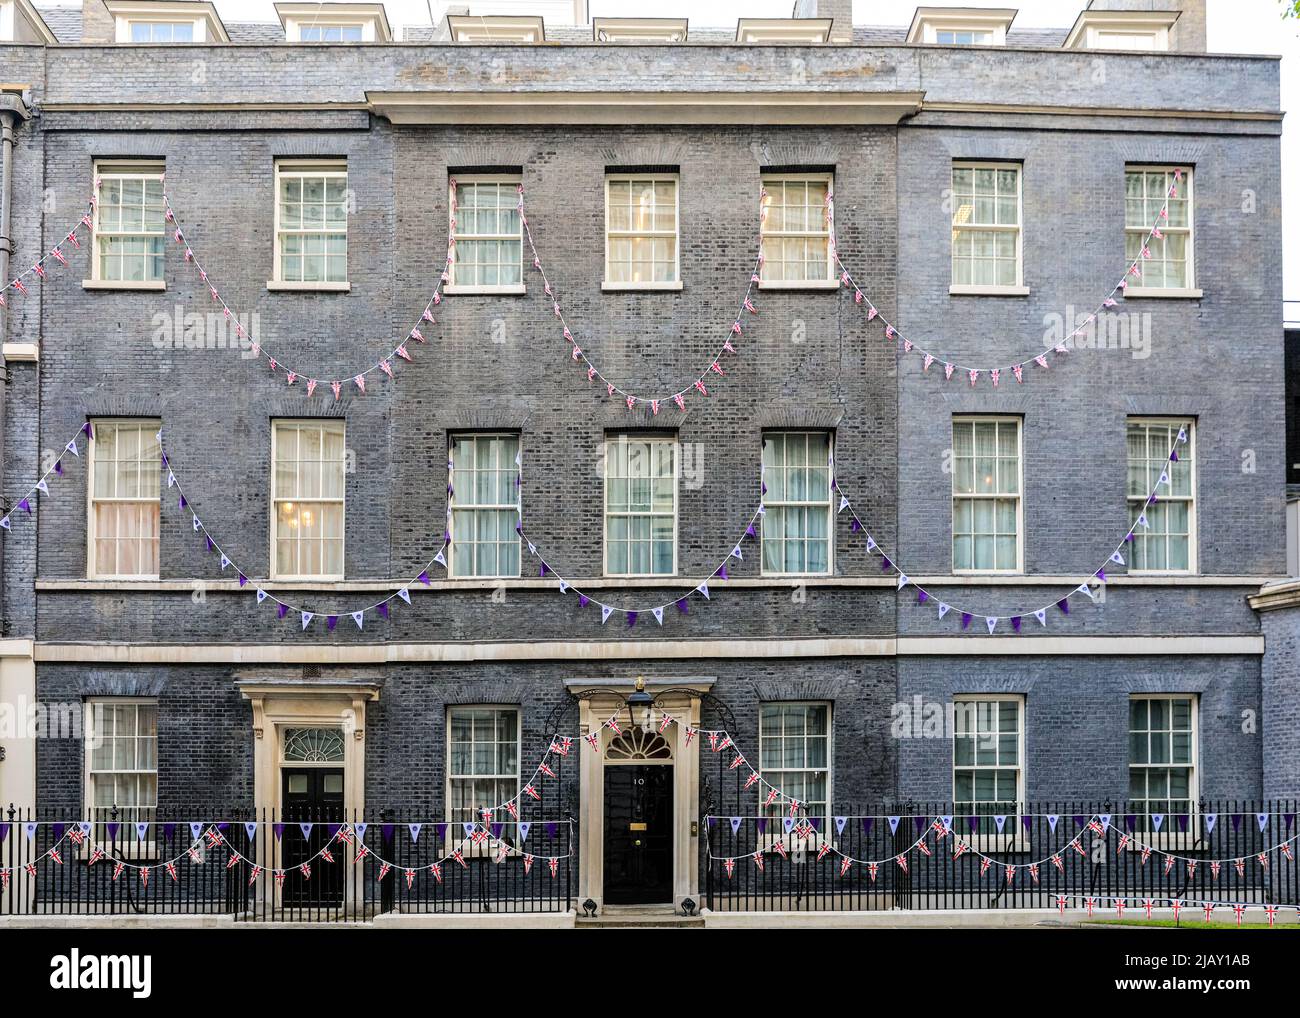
(1090, 903)
(1271, 911)
(1208, 909)
(1060, 903)
(1147, 906)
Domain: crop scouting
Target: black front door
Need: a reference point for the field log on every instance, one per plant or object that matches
(312, 795)
(638, 834)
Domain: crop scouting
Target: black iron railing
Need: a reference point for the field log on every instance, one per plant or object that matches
(929, 855)
(316, 865)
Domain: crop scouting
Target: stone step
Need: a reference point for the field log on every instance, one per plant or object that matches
(637, 917)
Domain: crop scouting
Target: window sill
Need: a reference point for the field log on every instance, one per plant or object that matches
(806, 284)
(122, 284)
(451, 290)
(988, 291)
(1170, 293)
(275, 285)
(608, 287)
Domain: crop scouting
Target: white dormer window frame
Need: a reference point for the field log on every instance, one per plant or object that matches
(496, 29)
(960, 26)
(783, 31)
(367, 22)
(639, 30)
(200, 17)
(21, 22)
(1133, 31)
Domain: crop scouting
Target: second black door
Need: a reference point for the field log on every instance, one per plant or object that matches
(638, 834)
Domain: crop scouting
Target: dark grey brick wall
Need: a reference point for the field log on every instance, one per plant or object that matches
(1280, 714)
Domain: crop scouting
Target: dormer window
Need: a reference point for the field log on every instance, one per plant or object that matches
(21, 22)
(334, 22)
(495, 29)
(166, 21)
(1122, 30)
(633, 30)
(783, 31)
(960, 26)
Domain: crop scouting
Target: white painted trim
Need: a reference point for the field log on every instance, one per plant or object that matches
(973, 419)
(208, 27)
(14, 352)
(639, 30)
(1091, 23)
(295, 422)
(496, 29)
(675, 283)
(453, 202)
(968, 290)
(783, 31)
(654, 650)
(928, 21)
(1134, 292)
(329, 168)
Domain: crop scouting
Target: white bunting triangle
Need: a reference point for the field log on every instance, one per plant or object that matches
(1117, 558)
(992, 623)
(42, 486)
(564, 587)
(441, 560)
(171, 479)
(359, 619)
(844, 503)
(196, 524)
(1041, 616)
(261, 595)
(605, 613)
(72, 447)
(224, 561)
(902, 580)
(703, 588)
(943, 609)
(405, 595)
(658, 613)
(736, 552)
(1083, 588)
(306, 619)
(871, 544)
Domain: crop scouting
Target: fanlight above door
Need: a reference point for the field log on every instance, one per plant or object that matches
(638, 744)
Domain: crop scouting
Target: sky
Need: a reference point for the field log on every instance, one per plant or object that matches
(1234, 26)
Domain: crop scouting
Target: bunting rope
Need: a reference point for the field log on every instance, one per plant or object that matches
(311, 381)
(612, 389)
(55, 254)
(1119, 903)
(42, 485)
(1016, 368)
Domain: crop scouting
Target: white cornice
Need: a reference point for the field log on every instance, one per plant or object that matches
(640, 108)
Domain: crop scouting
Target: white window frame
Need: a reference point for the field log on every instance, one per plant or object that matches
(830, 503)
(1137, 286)
(1019, 497)
(773, 774)
(831, 281)
(208, 28)
(1092, 28)
(1017, 289)
(929, 22)
(1168, 831)
(91, 499)
(455, 832)
(453, 202)
(1189, 423)
(142, 169)
(970, 699)
(330, 169)
(654, 178)
(275, 500)
(92, 736)
(677, 473)
(460, 505)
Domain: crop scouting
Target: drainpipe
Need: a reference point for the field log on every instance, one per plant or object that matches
(13, 111)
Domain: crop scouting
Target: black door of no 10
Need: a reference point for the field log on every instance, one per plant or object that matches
(638, 834)
(311, 795)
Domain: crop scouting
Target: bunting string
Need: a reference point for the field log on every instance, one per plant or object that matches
(55, 255)
(356, 380)
(613, 389)
(42, 484)
(995, 374)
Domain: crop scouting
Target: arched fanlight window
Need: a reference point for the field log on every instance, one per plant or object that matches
(313, 745)
(638, 744)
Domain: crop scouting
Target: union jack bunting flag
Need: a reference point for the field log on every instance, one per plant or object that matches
(144, 875)
(1271, 911)
(486, 814)
(663, 725)
(1214, 869)
(594, 740)
(512, 807)
(1011, 874)
(794, 806)
(873, 868)
(1239, 909)
(31, 869)
(758, 859)
(1208, 908)
(845, 863)
(214, 837)
(4, 878)
(232, 862)
(1286, 850)
(1177, 906)
(305, 870)
(96, 855)
(76, 836)
(731, 866)
(327, 855)
(383, 871)
(713, 741)
(821, 852)
(1146, 854)
(279, 877)
(436, 870)
(923, 848)
(1077, 845)
(528, 864)
(960, 849)
(736, 762)
(779, 848)
(1056, 861)
(1263, 859)
(459, 858)
(252, 877)
(410, 878)
(1033, 872)
(479, 836)
(725, 743)
(939, 829)
(196, 857)
(1147, 906)
(1123, 844)
(1120, 903)
(690, 734)
(753, 777)
(613, 726)
(985, 863)
(902, 862)
(1090, 903)
(530, 791)
(1191, 868)
(362, 852)
(771, 797)
(171, 870)
(562, 745)
(501, 851)
(1169, 864)
(1060, 903)
(545, 769)
(1095, 826)
(345, 834)
(117, 870)
(54, 854)
(1240, 866)
(554, 865)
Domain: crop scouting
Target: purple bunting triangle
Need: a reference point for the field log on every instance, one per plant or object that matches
(631, 619)
(383, 609)
(867, 822)
(282, 611)
(684, 606)
(330, 622)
